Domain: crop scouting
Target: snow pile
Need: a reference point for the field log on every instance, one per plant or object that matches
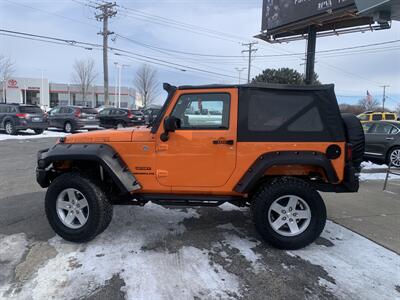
(361, 268)
(30, 134)
(367, 165)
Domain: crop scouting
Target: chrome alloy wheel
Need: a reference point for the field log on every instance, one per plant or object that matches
(395, 158)
(289, 215)
(72, 208)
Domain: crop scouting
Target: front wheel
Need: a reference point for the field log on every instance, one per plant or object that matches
(288, 213)
(76, 208)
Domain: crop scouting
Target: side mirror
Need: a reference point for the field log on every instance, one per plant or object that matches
(171, 123)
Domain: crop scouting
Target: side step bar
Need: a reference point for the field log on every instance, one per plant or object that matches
(183, 200)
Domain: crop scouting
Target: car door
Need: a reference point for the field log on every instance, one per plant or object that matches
(202, 152)
(378, 139)
(52, 116)
(104, 117)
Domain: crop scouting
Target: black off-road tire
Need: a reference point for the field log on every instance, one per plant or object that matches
(271, 191)
(38, 131)
(355, 136)
(100, 209)
(10, 128)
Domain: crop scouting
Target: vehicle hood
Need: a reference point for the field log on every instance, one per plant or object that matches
(135, 134)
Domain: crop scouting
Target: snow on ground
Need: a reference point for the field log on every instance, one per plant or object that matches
(133, 247)
(361, 268)
(367, 165)
(30, 134)
(123, 249)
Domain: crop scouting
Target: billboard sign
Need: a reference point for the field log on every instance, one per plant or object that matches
(279, 13)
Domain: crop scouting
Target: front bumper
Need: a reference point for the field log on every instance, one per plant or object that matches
(42, 174)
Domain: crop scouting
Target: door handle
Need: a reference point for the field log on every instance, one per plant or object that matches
(223, 142)
(389, 139)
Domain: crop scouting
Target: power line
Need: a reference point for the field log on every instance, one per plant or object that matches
(120, 51)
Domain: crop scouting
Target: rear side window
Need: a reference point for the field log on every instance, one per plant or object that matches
(288, 115)
(381, 128)
(30, 109)
(390, 117)
(376, 117)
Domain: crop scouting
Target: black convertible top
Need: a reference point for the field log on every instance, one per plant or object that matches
(260, 86)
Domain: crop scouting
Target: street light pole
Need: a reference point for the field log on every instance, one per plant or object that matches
(120, 66)
(240, 70)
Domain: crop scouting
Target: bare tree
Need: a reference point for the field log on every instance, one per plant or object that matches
(369, 102)
(7, 68)
(146, 84)
(84, 75)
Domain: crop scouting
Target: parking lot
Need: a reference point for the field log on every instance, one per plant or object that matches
(154, 252)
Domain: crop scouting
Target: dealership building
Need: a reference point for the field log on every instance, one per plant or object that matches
(46, 94)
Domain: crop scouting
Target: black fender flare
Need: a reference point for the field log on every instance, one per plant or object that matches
(104, 154)
(269, 159)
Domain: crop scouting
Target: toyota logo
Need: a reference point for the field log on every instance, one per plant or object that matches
(12, 83)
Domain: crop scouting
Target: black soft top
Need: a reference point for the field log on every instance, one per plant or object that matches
(260, 86)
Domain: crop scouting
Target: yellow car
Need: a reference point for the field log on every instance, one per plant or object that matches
(377, 116)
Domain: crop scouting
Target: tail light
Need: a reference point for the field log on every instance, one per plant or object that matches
(349, 152)
(21, 116)
(130, 115)
(78, 113)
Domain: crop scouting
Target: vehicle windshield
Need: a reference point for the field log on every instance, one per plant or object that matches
(136, 112)
(30, 110)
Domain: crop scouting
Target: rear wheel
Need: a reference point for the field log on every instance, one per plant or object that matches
(288, 213)
(76, 208)
(10, 128)
(394, 157)
(120, 125)
(39, 131)
(68, 128)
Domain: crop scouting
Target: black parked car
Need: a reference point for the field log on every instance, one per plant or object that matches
(151, 114)
(14, 117)
(382, 142)
(72, 118)
(120, 117)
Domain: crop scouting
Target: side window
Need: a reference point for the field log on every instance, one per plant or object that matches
(382, 129)
(376, 117)
(367, 126)
(104, 112)
(71, 110)
(390, 117)
(395, 130)
(203, 111)
(63, 110)
(281, 112)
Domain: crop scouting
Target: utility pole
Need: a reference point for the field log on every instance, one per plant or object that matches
(250, 51)
(240, 70)
(107, 11)
(384, 96)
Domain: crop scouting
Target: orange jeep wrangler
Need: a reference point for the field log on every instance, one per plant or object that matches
(270, 147)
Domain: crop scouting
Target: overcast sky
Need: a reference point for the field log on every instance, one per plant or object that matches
(353, 74)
